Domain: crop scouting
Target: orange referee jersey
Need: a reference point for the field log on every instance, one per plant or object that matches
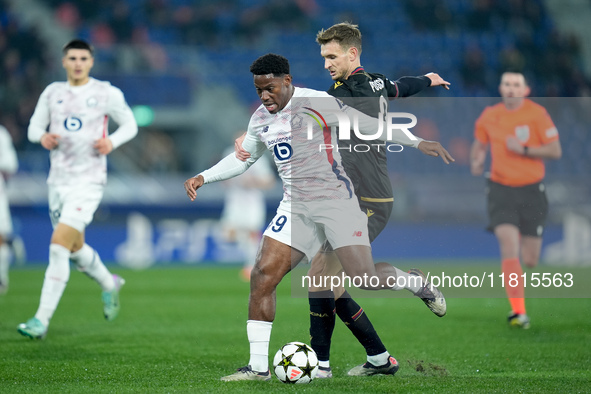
(531, 124)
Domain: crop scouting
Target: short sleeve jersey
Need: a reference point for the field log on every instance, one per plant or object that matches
(532, 126)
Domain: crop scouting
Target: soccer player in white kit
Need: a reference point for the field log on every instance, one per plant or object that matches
(318, 203)
(8, 166)
(77, 113)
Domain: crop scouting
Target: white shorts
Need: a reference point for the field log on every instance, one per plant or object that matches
(306, 225)
(74, 205)
(5, 219)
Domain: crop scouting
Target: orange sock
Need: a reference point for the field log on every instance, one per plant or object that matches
(516, 294)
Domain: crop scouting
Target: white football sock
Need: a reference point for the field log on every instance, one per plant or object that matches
(408, 281)
(56, 279)
(324, 364)
(259, 335)
(88, 261)
(379, 359)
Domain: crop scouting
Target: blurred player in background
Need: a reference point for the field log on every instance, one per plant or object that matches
(8, 166)
(245, 209)
(77, 113)
(521, 135)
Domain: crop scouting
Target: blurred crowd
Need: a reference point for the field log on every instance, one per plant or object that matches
(551, 59)
(23, 73)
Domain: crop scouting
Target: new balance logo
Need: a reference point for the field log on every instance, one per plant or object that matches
(357, 233)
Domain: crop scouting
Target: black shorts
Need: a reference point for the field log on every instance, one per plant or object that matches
(378, 215)
(525, 207)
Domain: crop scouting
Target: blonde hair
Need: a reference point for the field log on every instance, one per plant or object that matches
(346, 34)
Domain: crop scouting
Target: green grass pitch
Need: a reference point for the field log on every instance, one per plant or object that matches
(181, 329)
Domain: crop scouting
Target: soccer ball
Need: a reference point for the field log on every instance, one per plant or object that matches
(295, 362)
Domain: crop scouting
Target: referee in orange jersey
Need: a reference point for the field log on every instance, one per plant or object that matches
(521, 135)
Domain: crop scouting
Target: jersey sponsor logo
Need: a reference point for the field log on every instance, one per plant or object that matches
(551, 132)
(522, 133)
(72, 123)
(377, 85)
(283, 151)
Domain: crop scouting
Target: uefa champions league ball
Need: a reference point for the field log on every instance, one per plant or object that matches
(295, 362)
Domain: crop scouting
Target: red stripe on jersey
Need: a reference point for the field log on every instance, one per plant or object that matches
(105, 126)
(326, 135)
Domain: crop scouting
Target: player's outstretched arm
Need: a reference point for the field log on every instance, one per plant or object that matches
(192, 184)
(436, 80)
(435, 149)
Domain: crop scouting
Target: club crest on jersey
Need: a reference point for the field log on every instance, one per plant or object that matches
(522, 133)
(91, 102)
(296, 121)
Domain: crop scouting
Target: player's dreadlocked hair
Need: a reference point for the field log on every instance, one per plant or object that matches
(78, 44)
(346, 34)
(270, 64)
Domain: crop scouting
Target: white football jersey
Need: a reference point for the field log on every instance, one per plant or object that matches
(308, 172)
(80, 116)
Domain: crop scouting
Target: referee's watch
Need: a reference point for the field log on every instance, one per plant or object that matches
(525, 150)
